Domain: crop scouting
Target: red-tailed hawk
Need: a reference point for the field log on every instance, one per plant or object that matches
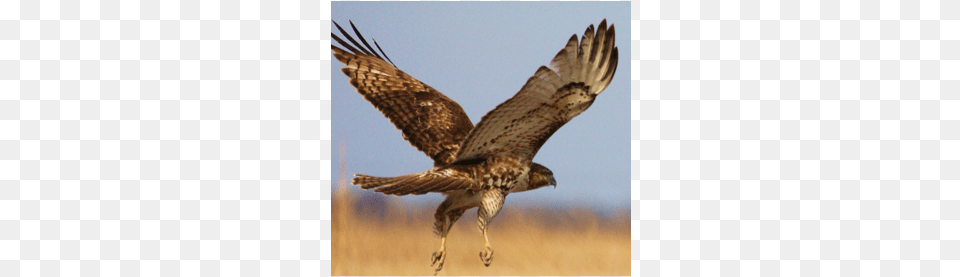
(478, 166)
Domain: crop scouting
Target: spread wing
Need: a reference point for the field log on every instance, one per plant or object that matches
(431, 122)
(549, 99)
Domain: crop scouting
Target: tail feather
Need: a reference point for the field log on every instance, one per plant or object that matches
(431, 185)
(370, 182)
(417, 183)
(403, 187)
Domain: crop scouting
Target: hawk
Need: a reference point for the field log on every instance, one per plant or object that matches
(477, 166)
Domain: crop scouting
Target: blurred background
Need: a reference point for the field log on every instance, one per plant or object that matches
(480, 54)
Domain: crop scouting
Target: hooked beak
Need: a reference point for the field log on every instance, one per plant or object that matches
(553, 182)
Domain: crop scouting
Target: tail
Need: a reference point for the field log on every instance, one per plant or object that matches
(373, 182)
(418, 183)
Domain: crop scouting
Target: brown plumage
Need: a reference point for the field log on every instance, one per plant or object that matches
(429, 120)
(478, 166)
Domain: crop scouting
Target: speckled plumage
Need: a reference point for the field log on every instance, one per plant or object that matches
(477, 166)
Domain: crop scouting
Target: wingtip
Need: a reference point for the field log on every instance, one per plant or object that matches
(337, 25)
(354, 27)
(614, 60)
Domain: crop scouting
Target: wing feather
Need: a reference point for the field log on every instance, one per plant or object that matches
(429, 120)
(548, 100)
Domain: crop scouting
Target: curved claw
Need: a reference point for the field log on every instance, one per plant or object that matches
(437, 260)
(486, 255)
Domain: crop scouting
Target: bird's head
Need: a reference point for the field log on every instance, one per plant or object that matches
(541, 176)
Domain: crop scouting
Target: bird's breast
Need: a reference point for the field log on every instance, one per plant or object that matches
(504, 173)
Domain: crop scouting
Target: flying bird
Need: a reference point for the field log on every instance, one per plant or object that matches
(477, 166)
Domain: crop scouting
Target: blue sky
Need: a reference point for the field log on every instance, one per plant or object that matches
(480, 54)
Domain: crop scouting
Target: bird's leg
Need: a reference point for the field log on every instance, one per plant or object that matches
(440, 256)
(487, 254)
(444, 221)
(490, 205)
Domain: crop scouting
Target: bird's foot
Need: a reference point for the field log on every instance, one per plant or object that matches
(437, 260)
(486, 255)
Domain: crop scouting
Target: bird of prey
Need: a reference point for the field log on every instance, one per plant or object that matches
(477, 166)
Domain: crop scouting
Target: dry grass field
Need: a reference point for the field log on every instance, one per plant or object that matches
(385, 236)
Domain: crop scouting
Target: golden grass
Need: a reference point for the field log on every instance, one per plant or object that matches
(396, 238)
